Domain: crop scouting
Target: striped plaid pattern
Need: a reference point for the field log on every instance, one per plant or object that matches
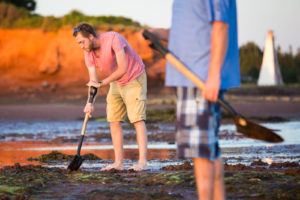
(198, 123)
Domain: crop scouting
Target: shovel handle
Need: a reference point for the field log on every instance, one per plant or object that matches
(156, 44)
(182, 68)
(177, 64)
(86, 118)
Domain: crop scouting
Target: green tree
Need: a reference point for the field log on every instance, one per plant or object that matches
(10, 13)
(250, 61)
(73, 17)
(297, 64)
(289, 66)
(27, 4)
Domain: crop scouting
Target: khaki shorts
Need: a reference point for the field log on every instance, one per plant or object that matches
(130, 99)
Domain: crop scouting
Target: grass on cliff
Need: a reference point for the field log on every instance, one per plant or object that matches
(14, 17)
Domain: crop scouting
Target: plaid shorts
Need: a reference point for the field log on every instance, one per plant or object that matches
(197, 127)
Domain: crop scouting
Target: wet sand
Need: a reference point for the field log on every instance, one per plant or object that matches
(21, 151)
(258, 181)
(59, 111)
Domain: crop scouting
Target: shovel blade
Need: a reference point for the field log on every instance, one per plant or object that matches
(76, 163)
(255, 131)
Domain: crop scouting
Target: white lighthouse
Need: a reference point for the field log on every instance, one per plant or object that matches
(270, 71)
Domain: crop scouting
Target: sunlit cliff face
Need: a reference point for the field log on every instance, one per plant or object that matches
(56, 56)
(85, 43)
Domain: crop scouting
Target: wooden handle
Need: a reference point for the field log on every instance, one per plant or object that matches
(184, 70)
(86, 118)
(196, 80)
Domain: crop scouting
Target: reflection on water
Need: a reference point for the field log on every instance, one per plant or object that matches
(153, 165)
(49, 130)
(38, 134)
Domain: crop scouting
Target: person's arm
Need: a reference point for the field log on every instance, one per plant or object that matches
(92, 76)
(219, 41)
(93, 85)
(121, 68)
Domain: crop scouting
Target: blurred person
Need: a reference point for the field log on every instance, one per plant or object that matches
(124, 72)
(203, 35)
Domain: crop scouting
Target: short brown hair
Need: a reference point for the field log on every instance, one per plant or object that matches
(85, 29)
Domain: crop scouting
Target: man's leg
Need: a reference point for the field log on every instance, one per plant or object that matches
(116, 112)
(135, 95)
(204, 176)
(197, 137)
(141, 136)
(117, 139)
(219, 190)
(209, 179)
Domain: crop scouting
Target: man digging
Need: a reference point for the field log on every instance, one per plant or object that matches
(125, 73)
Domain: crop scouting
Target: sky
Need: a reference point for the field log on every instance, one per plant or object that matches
(255, 17)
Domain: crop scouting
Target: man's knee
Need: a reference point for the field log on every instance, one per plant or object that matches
(218, 170)
(138, 122)
(115, 124)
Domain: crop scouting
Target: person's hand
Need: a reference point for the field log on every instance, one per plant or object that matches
(211, 89)
(94, 84)
(89, 108)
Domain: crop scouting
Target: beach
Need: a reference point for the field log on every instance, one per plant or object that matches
(38, 139)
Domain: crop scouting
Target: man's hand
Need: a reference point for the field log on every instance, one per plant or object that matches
(94, 84)
(211, 89)
(89, 108)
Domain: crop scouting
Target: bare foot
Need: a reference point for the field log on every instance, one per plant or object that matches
(113, 166)
(140, 166)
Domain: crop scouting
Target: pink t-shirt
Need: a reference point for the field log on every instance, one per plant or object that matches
(104, 58)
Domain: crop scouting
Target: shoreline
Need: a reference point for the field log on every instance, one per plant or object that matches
(74, 110)
(171, 182)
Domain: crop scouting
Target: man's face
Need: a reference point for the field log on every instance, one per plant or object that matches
(85, 43)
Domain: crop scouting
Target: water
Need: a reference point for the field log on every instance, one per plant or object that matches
(234, 149)
(290, 131)
(48, 130)
(152, 165)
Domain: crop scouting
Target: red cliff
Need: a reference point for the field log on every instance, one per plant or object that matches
(32, 58)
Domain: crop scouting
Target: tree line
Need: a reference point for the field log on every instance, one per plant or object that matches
(251, 60)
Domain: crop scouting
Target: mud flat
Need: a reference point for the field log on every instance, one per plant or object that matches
(257, 181)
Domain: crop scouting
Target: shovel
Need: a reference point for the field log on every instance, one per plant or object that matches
(77, 161)
(243, 125)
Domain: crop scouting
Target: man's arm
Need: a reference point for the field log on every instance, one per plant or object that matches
(92, 91)
(219, 42)
(93, 76)
(121, 68)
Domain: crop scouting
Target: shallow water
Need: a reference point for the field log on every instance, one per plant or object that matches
(234, 149)
(152, 165)
(48, 130)
(290, 131)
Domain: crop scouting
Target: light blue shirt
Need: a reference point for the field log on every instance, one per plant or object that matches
(190, 38)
